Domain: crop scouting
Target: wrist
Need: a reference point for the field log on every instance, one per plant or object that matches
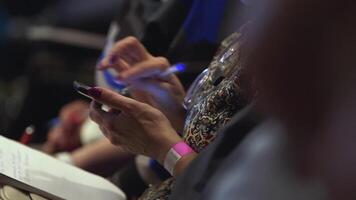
(177, 153)
(165, 146)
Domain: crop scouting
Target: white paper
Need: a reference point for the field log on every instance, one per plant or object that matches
(45, 173)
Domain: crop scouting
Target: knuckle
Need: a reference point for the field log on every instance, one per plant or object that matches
(156, 114)
(132, 40)
(159, 114)
(129, 107)
(162, 62)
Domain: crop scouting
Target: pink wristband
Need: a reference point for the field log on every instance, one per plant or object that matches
(178, 151)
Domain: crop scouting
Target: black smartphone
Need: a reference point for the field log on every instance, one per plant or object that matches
(82, 89)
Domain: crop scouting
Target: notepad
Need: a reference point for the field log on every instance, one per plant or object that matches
(36, 172)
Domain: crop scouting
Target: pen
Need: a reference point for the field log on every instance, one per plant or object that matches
(177, 68)
(27, 135)
(112, 81)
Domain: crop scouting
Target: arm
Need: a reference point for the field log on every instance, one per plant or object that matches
(101, 157)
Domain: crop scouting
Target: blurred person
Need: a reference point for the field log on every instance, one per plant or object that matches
(303, 67)
(318, 114)
(288, 156)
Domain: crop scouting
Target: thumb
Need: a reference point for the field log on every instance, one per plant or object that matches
(113, 99)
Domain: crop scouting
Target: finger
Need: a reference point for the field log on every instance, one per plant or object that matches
(129, 56)
(113, 62)
(94, 113)
(114, 111)
(97, 114)
(108, 134)
(128, 49)
(149, 68)
(73, 114)
(104, 119)
(113, 100)
(104, 64)
(121, 66)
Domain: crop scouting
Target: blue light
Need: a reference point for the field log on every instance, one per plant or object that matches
(181, 67)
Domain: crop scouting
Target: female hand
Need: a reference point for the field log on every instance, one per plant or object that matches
(137, 127)
(140, 70)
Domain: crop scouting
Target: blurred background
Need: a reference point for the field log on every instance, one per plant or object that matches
(44, 46)
(47, 44)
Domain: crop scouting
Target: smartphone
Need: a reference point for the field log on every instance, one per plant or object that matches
(82, 89)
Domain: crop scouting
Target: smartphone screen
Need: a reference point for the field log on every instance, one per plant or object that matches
(81, 89)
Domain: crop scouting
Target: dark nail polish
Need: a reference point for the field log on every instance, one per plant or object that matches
(94, 92)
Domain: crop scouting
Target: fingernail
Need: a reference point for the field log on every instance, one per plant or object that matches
(113, 59)
(94, 92)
